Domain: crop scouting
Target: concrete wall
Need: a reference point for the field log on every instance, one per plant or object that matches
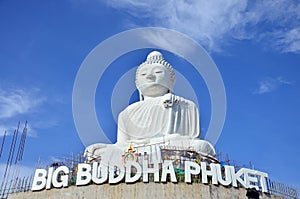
(140, 191)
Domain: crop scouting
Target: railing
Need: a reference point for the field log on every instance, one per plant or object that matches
(283, 190)
(16, 186)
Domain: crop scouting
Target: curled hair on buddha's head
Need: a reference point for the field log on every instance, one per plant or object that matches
(156, 57)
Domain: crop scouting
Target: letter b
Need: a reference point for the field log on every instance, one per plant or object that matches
(39, 180)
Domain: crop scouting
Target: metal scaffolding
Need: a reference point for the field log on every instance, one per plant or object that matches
(15, 151)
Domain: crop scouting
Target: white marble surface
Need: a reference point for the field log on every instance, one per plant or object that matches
(159, 117)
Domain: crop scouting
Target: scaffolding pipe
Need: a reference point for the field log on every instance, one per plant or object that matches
(3, 140)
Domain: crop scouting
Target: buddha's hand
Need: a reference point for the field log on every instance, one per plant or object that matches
(168, 100)
(94, 151)
(203, 146)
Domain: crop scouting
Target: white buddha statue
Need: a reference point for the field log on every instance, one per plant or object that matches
(160, 117)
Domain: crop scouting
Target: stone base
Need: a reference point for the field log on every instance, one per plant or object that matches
(141, 190)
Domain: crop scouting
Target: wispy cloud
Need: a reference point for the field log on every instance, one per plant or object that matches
(214, 23)
(288, 41)
(9, 128)
(16, 104)
(18, 101)
(269, 84)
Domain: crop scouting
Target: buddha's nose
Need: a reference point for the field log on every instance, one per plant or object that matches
(150, 76)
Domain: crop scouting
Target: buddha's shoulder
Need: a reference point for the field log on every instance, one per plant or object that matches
(132, 106)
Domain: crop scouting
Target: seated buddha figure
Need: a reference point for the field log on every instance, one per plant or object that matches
(160, 117)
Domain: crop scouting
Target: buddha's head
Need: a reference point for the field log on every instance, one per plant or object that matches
(155, 77)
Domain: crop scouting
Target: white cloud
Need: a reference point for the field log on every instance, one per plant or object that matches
(270, 84)
(277, 23)
(9, 130)
(15, 103)
(31, 131)
(288, 41)
(214, 22)
(18, 101)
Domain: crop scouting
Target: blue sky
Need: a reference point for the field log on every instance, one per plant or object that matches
(255, 44)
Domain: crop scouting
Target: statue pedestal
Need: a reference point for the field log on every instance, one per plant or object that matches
(141, 190)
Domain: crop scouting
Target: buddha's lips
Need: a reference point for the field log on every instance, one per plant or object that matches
(151, 80)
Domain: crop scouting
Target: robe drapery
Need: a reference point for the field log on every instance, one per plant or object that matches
(151, 119)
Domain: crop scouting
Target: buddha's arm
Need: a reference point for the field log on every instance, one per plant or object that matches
(122, 136)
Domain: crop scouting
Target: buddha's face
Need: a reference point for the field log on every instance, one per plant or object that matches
(153, 80)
